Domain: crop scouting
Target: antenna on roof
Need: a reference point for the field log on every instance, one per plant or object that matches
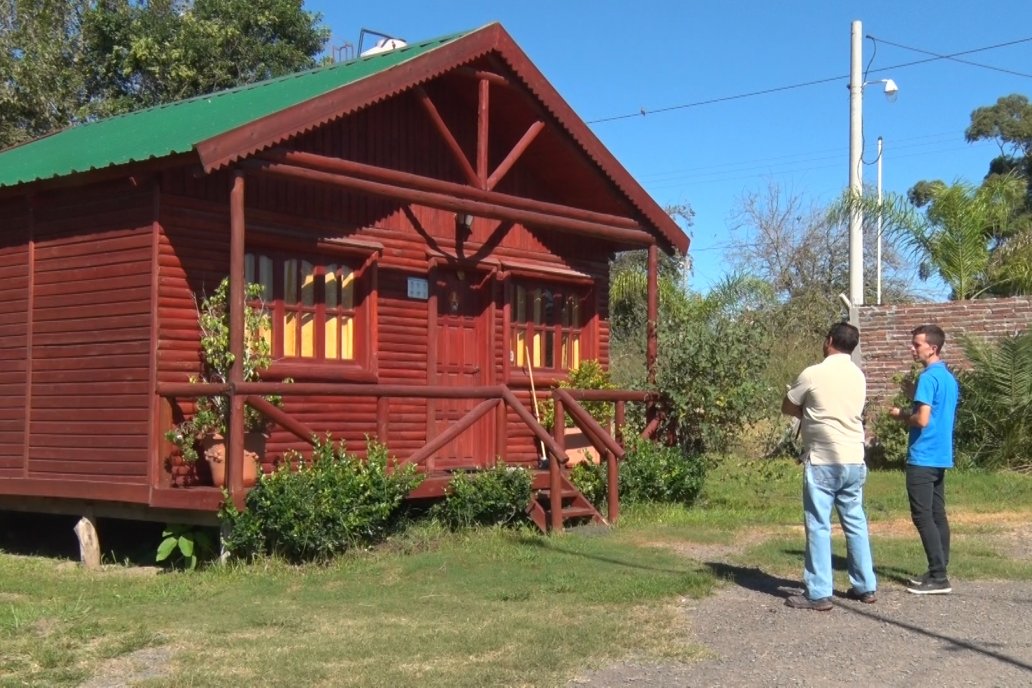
(344, 52)
(385, 43)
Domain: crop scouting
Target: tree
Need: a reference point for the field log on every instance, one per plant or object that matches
(41, 87)
(166, 50)
(802, 251)
(1009, 123)
(966, 234)
(628, 300)
(712, 349)
(63, 62)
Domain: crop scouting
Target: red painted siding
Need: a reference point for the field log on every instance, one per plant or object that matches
(90, 397)
(14, 304)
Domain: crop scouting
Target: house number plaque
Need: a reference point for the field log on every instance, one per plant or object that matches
(417, 288)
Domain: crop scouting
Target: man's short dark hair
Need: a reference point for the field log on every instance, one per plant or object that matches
(844, 337)
(933, 335)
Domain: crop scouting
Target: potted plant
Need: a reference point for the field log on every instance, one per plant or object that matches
(205, 430)
(588, 375)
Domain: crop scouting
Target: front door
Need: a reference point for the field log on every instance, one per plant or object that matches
(463, 344)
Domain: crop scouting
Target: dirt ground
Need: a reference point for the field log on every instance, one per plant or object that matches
(980, 635)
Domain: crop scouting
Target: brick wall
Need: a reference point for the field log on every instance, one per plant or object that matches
(885, 333)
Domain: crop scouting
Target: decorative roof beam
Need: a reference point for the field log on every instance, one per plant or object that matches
(417, 181)
(484, 75)
(449, 138)
(483, 117)
(444, 201)
(518, 150)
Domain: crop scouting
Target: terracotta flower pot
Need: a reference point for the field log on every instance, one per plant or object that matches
(214, 451)
(579, 448)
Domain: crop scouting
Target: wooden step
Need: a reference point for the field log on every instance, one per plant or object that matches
(579, 511)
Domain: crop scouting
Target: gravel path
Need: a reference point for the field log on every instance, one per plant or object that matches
(980, 635)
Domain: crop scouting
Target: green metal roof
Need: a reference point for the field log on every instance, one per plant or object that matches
(175, 128)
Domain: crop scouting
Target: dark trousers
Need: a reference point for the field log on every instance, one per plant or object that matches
(926, 489)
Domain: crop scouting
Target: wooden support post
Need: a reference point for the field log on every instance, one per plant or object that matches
(235, 431)
(89, 542)
(619, 419)
(555, 494)
(613, 479)
(501, 431)
(483, 121)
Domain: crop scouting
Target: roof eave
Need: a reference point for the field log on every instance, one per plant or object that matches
(266, 132)
(539, 85)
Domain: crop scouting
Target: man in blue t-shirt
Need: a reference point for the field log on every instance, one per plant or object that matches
(929, 454)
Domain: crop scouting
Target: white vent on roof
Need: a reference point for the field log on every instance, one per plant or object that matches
(384, 45)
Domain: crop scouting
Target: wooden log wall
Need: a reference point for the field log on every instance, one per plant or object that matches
(194, 256)
(14, 308)
(90, 396)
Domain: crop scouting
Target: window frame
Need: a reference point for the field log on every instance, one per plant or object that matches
(588, 344)
(363, 264)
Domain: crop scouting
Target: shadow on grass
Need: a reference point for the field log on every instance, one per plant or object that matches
(754, 579)
(551, 546)
(839, 563)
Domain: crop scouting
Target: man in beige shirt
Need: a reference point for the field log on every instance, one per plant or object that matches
(828, 398)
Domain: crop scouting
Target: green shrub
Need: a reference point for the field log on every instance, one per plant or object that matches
(650, 472)
(994, 418)
(708, 375)
(184, 545)
(326, 506)
(588, 375)
(887, 436)
(653, 472)
(592, 480)
(494, 496)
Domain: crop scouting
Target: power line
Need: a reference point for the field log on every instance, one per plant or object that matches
(953, 56)
(799, 166)
(642, 112)
(824, 154)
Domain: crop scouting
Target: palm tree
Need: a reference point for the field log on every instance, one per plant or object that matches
(962, 229)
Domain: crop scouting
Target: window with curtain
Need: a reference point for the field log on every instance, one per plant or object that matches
(547, 323)
(312, 303)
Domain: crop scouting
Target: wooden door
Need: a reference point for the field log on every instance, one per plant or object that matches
(463, 346)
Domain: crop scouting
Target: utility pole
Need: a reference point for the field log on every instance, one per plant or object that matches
(878, 252)
(856, 216)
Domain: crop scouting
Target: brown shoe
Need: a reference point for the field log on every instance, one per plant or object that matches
(803, 602)
(866, 597)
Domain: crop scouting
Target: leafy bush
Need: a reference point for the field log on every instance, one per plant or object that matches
(211, 413)
(887, 447)
(592, 480)
(888, 443)
(188, 543)
(588, 375)
(994, 419)
(326, 506)
(495, 496)
(653, 472)
(708, 374)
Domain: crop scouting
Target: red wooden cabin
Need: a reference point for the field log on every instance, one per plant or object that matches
(424, 221)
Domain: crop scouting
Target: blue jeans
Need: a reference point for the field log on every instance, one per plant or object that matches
(841, 487)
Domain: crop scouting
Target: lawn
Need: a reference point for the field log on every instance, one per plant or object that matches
(487, 608)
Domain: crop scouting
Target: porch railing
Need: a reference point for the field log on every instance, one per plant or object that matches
(497, 398)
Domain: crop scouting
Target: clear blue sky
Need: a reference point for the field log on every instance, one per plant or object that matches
(610, 58)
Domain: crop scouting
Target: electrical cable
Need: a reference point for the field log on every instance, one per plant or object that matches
(642, 112)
